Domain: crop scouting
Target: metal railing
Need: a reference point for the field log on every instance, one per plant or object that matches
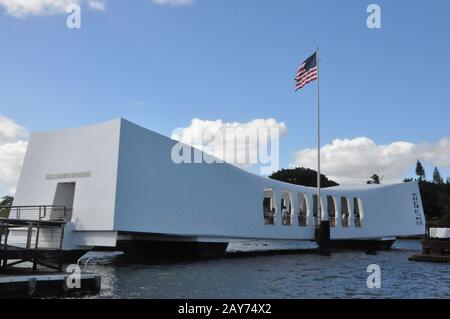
(345, 220)
(37, 212)
(332, 220)
(286, 218)
(358, 220)
(269, 217)
(302, 218)
(316, 220)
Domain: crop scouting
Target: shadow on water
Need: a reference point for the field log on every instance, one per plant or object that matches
(127, 259)
(244, 273)
(250, 249)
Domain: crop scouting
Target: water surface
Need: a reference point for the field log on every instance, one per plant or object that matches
(342, 275)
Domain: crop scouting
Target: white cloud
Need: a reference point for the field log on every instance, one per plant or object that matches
(97, 5)
(438, 154)
(174, 3)
(216, 138)
(24, 8)
(11, 159)
(355, 160)
(10, 131)
(12, 152)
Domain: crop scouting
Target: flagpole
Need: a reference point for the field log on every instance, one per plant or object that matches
(324, 225)
(318, 139)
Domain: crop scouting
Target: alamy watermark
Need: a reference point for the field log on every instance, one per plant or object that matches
(374, 279)
(73, 281)
(73, 21)
(232, 145)
(374, 19)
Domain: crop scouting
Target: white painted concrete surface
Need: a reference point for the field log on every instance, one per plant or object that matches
(125, 181)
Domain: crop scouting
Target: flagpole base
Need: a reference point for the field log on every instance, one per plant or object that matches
(324, 237)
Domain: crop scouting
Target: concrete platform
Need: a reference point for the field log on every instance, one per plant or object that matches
(434, 249)
(26, 284)
(430, 258)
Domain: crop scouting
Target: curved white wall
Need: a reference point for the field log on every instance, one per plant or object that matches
(134, 186)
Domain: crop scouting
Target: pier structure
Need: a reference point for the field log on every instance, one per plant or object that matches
(42, 228)
(38, 242)
(435, 246)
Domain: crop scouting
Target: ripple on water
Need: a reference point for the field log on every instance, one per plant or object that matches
(342, 275)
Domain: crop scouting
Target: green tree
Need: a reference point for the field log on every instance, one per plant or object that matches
(436, 203)
(375, 179)
(437, 178)
(6, 201)
(302, 176)
(420, 171)
(4, 204)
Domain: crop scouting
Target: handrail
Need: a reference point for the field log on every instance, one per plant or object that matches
(36, 212)
(33, 206)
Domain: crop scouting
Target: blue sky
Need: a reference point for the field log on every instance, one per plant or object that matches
(160, 66)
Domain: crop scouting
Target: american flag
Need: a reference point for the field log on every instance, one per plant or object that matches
(307, 72)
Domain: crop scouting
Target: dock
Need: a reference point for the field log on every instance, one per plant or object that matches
(37, 238)
(435, 246)
(32, 237)
(25, 284)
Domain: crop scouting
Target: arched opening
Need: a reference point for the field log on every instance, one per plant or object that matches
(316, 216)
(357, 204)
(269, 206)
(286, 208)
(345, 212)
(331, 209)
(302, 210)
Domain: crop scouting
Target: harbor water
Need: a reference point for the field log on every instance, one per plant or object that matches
(303, 275)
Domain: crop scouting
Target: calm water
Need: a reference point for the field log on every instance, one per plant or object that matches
(343, 275)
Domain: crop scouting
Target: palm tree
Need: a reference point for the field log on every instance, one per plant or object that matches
(7, 201)
(375, 179)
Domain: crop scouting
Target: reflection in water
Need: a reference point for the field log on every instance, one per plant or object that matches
(342, 275)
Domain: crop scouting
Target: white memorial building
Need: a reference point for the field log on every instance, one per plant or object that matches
(120, 187)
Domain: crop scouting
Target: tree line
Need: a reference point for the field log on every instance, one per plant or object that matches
(435, 195)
